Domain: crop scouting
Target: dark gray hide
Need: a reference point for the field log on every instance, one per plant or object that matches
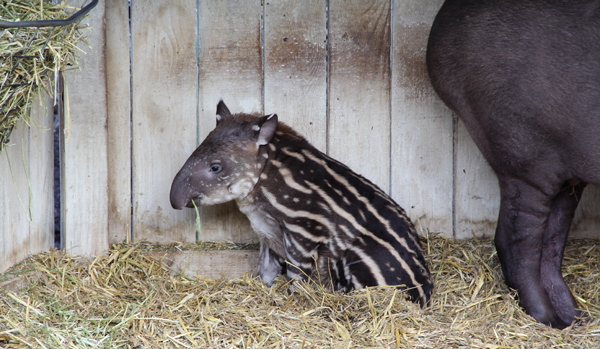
(311, 213)
(524, 76)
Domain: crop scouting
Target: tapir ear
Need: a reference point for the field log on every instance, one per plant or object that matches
(267, 129)
(222, 111)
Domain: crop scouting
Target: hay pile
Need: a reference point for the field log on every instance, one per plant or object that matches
(31, 57)
(126, 299)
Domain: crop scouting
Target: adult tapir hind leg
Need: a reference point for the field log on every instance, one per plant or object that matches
(561, 214)
(524, 212)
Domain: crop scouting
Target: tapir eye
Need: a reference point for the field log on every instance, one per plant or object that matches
(215, 168)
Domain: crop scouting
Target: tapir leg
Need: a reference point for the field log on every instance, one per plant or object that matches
(524, 211)
(555, 237)
(269, 264)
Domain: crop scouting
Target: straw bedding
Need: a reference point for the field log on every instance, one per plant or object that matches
(31, 57)
(127, 299)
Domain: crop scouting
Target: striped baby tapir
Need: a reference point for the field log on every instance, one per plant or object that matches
(315, 217)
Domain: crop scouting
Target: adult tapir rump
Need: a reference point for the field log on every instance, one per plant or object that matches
(313, 215)
(524, 76)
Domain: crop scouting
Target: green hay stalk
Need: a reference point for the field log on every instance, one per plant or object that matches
(198, 227)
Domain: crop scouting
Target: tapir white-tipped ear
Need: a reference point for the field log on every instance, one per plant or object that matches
(267, 129)
(222, 111)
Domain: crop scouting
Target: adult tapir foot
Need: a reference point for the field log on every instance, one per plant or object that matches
(555, 237)
(531, 254)
(541, 310)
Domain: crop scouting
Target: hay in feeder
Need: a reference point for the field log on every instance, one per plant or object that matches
(31, 57)
(126, 299)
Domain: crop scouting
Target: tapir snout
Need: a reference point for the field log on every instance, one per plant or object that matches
(181, 193)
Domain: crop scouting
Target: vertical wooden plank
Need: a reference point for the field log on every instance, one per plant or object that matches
(422, 135)
(296, 66)
(230, 67)
(119, 120)
(6, 218)
(84, 164)
(230, 58)
(586, 223)
(359, 91)
(477, 193)
(14, 198)
(41, 174)
(164, 84)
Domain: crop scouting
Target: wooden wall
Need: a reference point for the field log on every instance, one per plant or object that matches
(84, 167)
(26, 188)
(349, 75)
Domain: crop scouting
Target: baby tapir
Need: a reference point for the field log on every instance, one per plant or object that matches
(313, 215)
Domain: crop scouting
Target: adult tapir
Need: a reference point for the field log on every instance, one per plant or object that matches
(524, 76)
